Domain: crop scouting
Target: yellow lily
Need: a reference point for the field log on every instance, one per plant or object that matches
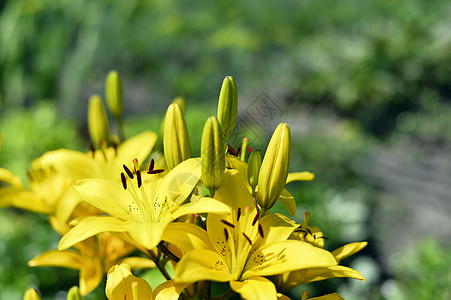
(241, 248)
(142, 207)
(314, 236)
(92, 257)
(122, 284)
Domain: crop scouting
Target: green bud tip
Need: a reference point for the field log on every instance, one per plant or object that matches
(176, 142)
(74, 294)
(98, 125)
(228, 106)
(31, 294)
(113, 94)
(212, 155)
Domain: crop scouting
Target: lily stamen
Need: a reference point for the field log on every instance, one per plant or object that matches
(129, 173)
(124, 181)
(227, 223)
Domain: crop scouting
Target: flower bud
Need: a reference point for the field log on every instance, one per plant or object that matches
(74, 294)
(180, 101)
(31, 294)
(99, 128)
(176, 143)
(212, 155)
(274, 168)
(227, 106)
(253, 168)
(113, 94)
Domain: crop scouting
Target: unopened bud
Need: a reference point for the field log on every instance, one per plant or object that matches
(228, 106)
(113, 94)
(176, 143)
(31, 294)
(212, 155)
(99, 128)
(74, 294)
(180, 101)
(274, 168)
(253, 168)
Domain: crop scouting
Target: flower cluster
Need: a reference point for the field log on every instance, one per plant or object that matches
(145, 202)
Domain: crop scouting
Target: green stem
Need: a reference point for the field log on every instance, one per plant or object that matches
(120, 126)
(207, 289)
(167, 252)
(155, 259)
(226, 295)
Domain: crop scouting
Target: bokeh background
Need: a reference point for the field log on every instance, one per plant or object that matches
(365, 86)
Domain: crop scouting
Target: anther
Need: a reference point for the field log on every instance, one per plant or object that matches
(151, 170)
(247, 238)
(231, 150)
(138, 177)
(226, 233)
(92, 150)
(124, 182)
(260, 231)
(127, 170)
(308, 230)
(255, 218)
(227, 223)
(238, 214)
(323, 237)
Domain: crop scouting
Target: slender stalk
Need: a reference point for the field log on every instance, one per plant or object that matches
(161, 246)
(157, 262)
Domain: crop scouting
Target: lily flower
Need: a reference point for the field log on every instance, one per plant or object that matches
(142, 205)
(92, 257)
(122, 284)
(314, 236)
(241, 248)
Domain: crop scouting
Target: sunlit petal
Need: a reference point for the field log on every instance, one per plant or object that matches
(187, 236)
(198, 265)
(202, 205)
(348, 250)
(280, 257)
(89, 227)
(255, 288)
(169, 290)
(300, 176)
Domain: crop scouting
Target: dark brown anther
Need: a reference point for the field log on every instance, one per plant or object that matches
(255, 218)
(323, 237)
(124, 181)
(155, 171)
(138, 177)
(92, 150)
(308, 230)
(260, 231)
(129, 173)
(238, 151)
(231, 150)
(238, 214)
(151, 170)
(247, 238)
(226, 233)
(227, 223)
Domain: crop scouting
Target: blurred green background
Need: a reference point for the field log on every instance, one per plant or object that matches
(365, 86)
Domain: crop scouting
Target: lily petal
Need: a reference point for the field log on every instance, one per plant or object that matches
(200, 264)
(348, 250)
(89, 227)
(108, 196)
(148, 234)
(285, 256)
(169, 290)
(122, 284)
(275, 227)
(137, 147)
(300, 176)
(255, 288)
(202, 205)
(288, 201)
(187, 236)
